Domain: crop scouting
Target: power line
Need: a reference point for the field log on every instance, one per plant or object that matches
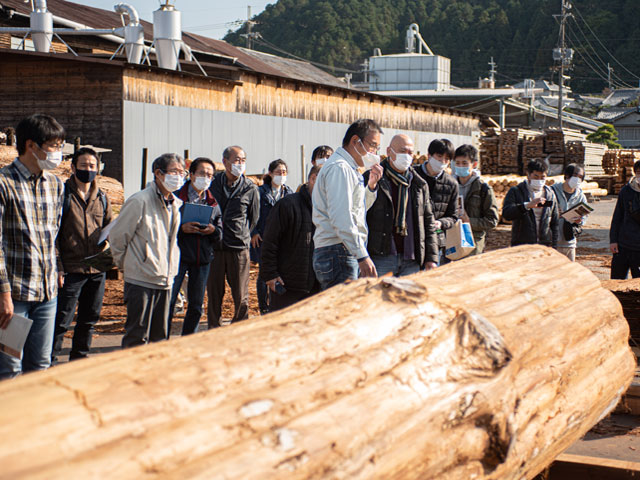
(260, 39)
(605, 48)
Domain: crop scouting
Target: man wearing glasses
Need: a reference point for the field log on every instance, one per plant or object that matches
(144, 246)
(30, 209)
(340, 204)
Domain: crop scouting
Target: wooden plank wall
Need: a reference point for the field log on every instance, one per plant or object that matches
(268, 96)
(86, 98)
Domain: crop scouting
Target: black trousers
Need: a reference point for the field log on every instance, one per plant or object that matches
(234, 266)
(87, 292)
(147, 315)
(623, 261)
(288, 298)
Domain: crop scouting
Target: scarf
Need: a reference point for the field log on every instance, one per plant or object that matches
(402, 182)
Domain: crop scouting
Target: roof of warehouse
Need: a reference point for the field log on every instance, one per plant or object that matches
(99, 18)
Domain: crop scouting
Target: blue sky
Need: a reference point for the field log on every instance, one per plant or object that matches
(211, 18)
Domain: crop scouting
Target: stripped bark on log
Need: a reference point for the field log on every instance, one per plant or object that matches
(486, 368)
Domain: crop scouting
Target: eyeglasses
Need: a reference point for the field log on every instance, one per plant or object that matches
(57, 147)
(373, 148)
(205, 175)
(181, 173)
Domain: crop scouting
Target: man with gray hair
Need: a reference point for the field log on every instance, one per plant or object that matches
(239, 201)
(144, 245)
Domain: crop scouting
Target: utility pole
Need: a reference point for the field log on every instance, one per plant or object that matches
(249, 27)
(609, 70)
(492, 72)
(562, 54)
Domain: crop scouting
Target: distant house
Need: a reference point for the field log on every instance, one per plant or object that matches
(626, 120)
(621, 98)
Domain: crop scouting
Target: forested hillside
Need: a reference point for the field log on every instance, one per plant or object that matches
(519, 34)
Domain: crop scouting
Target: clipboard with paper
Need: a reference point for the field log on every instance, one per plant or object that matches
(193, 212)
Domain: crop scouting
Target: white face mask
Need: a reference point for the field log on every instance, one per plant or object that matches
(320, 161)
(574, 182)
(402, 161)
(436, 165)
(369, 159)
(237, 169)
(537, 185)
(201, 183)
(52, 161)
(173, 182)
(279, 180)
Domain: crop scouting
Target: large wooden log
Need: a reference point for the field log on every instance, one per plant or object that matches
(487, 368)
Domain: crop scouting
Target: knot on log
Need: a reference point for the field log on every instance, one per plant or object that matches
(485, 351)
(402, 289)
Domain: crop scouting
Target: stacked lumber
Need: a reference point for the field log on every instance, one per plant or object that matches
(532, 148)
(553, 141)
(508, 152)
(620, 162)
(574, 152)
(489, 151)
(487, 368)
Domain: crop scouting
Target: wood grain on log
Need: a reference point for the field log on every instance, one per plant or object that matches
(486, 368)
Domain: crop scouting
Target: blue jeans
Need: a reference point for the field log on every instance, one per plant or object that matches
(396, 264)
(334, 265)
(36, 354)
(195, 295)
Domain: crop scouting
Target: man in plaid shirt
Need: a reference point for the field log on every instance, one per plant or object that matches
(30, 210)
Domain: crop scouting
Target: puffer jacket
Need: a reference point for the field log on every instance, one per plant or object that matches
(81, 227)
(443, 190)
(482, 209)
(144, 239)
(287, 248)
(195, 248)
(381, 215)
(524, 229)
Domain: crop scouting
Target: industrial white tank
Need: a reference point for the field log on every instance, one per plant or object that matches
(133, 33)
(167, 35)
(41, 23)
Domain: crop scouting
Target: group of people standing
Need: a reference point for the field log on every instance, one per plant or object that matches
(355, 216)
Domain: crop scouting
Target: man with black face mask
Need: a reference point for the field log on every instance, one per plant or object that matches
(86, 211)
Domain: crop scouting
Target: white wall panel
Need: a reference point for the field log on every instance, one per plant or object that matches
(206, 133)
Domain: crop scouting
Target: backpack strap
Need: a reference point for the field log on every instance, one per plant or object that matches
(103, 198)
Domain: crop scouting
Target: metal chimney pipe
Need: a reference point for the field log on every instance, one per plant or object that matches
(133, 33)
(167, 35)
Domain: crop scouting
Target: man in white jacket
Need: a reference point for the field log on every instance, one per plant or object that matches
(144, 245)
(340, 204)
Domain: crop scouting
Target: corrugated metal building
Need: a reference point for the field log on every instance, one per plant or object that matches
(273, 107)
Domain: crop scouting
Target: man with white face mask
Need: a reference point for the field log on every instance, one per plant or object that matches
(196, 243)
(239, 201)
(340, 202)
(320, 155)
(533, 209)
(144, 244)
(443, 189)
(569, 194)
(31, 201)
(402, 235)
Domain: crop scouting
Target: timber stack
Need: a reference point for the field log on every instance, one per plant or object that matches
(508, 151)
(619, 162)
(487, 368)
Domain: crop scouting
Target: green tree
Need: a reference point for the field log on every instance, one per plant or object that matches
(606, 135)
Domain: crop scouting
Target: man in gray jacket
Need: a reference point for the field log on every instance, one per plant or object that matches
(144, 245)
(340, 204)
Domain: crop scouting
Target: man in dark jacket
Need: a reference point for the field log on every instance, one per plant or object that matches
(86, 210)
(287, 248)
(240, 204)
(443, 189)
(624, 234)
(532, 208)
(196, 243)
(402, 236)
